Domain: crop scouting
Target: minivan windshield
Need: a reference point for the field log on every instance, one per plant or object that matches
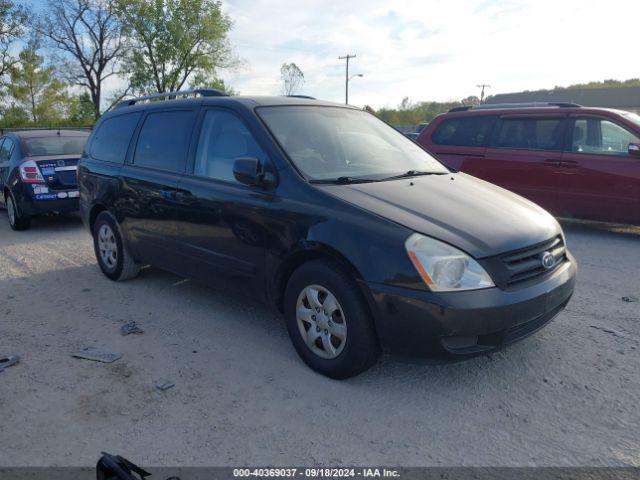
(54, 145)
(342, 144)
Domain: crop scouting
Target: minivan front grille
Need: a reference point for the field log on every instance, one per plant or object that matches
(516, 268)
(526, 264)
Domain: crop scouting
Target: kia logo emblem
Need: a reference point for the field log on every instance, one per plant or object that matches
(548, 260)
(60, 163)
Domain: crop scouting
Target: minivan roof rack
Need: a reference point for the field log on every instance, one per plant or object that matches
(529, 105)
(489, 106)
(463, 108)
(203, 92)
(301, 96)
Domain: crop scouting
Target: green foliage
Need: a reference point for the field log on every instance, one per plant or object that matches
(13, 24)
(201, 81)
(35, 90)
(292, 78)
(81, 111)
(610, 83)
(172, 40)
(409, 113)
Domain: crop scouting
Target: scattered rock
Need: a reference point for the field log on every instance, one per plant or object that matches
(131, 327)
(97, 355)
(8, 361)
(163, 385)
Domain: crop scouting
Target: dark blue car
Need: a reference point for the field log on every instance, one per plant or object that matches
(38, 173)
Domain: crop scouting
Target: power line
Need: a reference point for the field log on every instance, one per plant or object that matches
(482, 86)
(347, 57)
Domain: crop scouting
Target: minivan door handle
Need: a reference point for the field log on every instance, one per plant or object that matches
(570, 163)
(185, 197)
(168, 194)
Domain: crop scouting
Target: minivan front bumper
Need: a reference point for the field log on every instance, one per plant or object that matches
(454, 324)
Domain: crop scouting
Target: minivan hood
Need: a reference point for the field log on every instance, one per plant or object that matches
(471, 214)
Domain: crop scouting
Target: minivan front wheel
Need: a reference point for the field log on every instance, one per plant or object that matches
(114, 258)
(328, 320)
(16, 220)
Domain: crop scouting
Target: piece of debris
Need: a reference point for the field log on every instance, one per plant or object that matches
(611, 331)
(8, 361)
(131, 327)
(164, 385)
(630, 299)
(95, 354)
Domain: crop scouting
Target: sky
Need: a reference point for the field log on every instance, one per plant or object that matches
(431, 49)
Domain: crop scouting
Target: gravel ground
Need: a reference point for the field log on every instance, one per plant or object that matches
(565, 396)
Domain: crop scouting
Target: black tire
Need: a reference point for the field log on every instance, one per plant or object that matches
(361, 349)
(17, 221)
(124, 267)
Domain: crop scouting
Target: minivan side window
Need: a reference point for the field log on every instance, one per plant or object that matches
(529, 133)
(111, 140)
(601, 137)
(163, 142)
(223, 138)
(472, 131)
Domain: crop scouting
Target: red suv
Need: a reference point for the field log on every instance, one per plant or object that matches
(574, 161)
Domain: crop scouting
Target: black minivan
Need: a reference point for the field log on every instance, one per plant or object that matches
(363, 240)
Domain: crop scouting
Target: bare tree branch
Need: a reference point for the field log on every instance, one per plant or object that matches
(90, 36)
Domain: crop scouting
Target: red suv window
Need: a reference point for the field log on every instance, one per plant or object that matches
(529, 133)
(471, 131)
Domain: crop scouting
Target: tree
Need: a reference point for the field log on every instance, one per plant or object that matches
(81, 112)
(470, 100)
(13, 22)
(35, 89)
(201, 81)
(292, 78)
(172, 40)
(88, 35)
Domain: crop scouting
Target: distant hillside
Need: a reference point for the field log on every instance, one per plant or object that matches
(611, 83)
(413, 113)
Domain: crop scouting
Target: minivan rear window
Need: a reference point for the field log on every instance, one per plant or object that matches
(472, 131)
(58, 145)
(164, 140)
(111, 140)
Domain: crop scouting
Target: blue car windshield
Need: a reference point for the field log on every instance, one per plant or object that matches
(58, 145)
(336, 142)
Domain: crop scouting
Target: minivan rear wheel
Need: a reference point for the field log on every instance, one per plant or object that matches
(16, 220)
(113, 256)
(329, 321)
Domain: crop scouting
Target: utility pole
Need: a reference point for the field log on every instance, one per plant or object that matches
(482, 86)
(346, 77)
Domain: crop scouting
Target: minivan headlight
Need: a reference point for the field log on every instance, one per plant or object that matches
(445, 268)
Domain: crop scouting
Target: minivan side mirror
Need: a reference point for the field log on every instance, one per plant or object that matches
(250, 171)
(634, 149)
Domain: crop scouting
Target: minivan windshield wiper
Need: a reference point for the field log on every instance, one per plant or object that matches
(343, 180)
(412, 173)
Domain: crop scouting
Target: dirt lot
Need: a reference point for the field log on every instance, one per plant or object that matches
(566, 396)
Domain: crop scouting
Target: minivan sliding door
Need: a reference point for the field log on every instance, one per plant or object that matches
(525, 152)
(149, 183)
